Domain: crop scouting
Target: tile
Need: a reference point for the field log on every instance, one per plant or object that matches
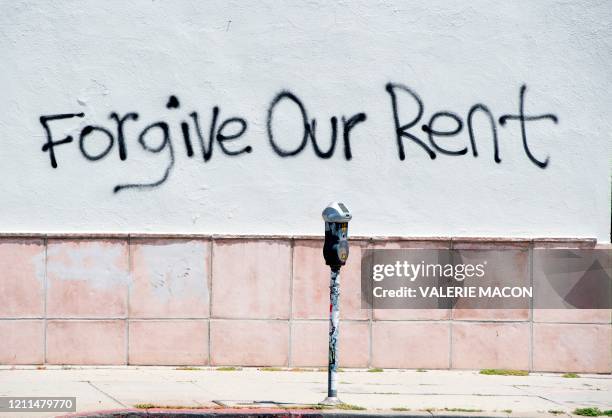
(169, 279)
(565, 279)
(311, 282)
(424, 244)
(411, 314)
(22, 278)
(175, 342)
(587, 316)
(485, 244)
(572, 348)
(354, 344)
(564, 243)
(399, 314)
(86, 342)
(490, 345)
(87, 278)
(23, 342)
(506, 265)
(410, 345)
(310, 341)
(249, 342)
(251, 279)
(459, 314)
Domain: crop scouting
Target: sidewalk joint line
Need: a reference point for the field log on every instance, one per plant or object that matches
(105, 394)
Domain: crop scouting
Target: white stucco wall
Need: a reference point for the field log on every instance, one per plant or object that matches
(99, 57)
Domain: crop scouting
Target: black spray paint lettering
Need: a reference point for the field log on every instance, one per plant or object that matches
(120, 134)
(310, 130)
(402, 131)
(522, 119)
(223, 134)
(50, 143)
(165, 143)
(85, 132)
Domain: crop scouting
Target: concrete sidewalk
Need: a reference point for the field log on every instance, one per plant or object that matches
(431, 392)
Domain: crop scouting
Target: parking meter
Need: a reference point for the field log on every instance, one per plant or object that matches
(335, 248)
(335, 252)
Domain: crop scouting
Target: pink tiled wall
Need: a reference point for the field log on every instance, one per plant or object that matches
(261, 301)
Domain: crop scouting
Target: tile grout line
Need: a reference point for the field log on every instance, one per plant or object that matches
(451, 317)
(45, 284)
(291, 261)
(531, 247)
(127, 302)
(210, 296)
(370, 246)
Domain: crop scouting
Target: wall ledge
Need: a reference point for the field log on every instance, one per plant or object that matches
(538, 242)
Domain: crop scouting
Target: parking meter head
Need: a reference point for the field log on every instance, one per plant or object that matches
(335, 249)
(336, 212)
